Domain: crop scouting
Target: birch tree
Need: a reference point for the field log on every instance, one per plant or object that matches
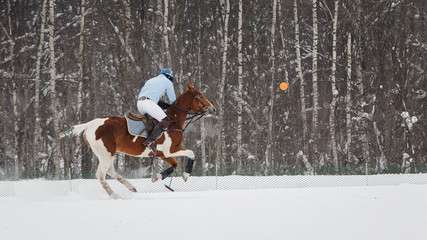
(314, 131)
(363, 138)
(14, 97)
(37, 128)
(80, 79)
(348, 101)
(301, 78)
(254, 113)
(53, 98)
(167, 53)
(220, 147)
(128, 26)
(3, 127)
(269, 156)
(199, 79)
(9, 36)
(334, 89)
(239, 88)
(282, 36)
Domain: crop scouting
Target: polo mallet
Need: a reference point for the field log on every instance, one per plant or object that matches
(169, 187)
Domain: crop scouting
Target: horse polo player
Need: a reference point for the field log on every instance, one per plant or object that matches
(148, 99)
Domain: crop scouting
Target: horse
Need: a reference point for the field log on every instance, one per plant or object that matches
(109, 134)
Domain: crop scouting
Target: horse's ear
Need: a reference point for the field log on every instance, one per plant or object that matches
(190, 86)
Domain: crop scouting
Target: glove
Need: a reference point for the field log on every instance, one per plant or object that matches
(163, 105)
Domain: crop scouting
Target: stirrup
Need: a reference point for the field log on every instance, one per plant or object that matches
(152, 146)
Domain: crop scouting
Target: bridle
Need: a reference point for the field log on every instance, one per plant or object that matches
(195, 115)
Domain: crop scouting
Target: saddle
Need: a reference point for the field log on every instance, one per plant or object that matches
(140, 125)
(136, 117)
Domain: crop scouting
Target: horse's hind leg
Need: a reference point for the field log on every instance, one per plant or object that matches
(119, 178)
(166, 173)
(188, 169)
(104, 165)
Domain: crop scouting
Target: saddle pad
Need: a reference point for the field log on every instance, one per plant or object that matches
(136, 128)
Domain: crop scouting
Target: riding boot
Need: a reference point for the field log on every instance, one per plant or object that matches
(151, 141)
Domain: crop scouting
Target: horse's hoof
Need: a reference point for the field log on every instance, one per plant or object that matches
(185, 176)
(156, 177)
(114, 196)
(132, 189)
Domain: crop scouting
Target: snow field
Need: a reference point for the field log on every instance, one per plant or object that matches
(357, 212)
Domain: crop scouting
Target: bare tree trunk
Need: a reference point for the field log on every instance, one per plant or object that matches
(225, 13)
(172, 22)
(9, 36)
(363, 138)
(127, 27)
(199, 76)
(282, 36)
(37, 128)
(334, 90)
(269, 155)
(53, 98)
(256, 112)
(128, 98)
(4, 129)
(381, 164)
(239, 88)
(314, 135)
(79, 141)
(302, 94)
(127, 30)
(348, 101)
(14, 98)
(363, 126)
(15, 109)
(165, 34)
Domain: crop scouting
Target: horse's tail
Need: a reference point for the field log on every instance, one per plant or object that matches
(75, 130)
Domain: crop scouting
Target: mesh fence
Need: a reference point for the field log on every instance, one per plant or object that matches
(213, 179)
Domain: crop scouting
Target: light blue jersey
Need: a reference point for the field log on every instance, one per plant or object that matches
(156, 87)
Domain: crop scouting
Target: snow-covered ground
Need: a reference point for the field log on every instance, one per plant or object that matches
(35, 211)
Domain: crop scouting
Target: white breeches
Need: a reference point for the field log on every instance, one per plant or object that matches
(150, 107)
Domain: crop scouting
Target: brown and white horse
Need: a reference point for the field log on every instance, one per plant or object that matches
(108, 135)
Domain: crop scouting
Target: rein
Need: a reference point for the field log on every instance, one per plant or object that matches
(192, 120)
(199, 114)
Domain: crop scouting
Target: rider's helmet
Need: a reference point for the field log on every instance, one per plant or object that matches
(168, 73)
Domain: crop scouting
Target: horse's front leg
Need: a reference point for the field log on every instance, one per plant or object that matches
(182, 152)
(171, 147)
(188, 169)
(166, 173)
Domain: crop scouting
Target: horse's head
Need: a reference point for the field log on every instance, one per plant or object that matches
(199, 103)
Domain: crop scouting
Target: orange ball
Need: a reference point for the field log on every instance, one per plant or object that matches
(283, 86)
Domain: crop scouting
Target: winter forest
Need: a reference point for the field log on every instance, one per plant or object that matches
(356, 71)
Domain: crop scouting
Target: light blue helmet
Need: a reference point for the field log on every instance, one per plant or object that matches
(168, 73)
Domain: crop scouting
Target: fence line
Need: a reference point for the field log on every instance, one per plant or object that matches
(91, 187)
